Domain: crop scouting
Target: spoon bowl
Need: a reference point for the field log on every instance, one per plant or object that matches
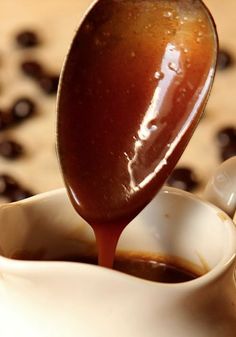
(133, 88)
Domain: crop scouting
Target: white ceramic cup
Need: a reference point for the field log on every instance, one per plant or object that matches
(64, 299)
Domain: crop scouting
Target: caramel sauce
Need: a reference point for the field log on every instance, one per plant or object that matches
(134, 85)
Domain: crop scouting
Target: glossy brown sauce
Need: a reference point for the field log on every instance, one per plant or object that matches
(153, 270)
(132, 96)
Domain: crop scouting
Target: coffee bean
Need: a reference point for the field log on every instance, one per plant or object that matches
(11, 189)
(226, 136)
(228, 151)
(224, 60)
(7, 184)
(183, 178)
(19, 194)
(22, 109)
(10, 149)
(226, 139)
(4, 122)
(27, 39)
(49, 84)
(32, 69)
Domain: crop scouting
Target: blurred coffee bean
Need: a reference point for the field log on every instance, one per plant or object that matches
(4, 122)
(224, 60)
(228, 152)
(7, 184)
(32, 69)
(226, 136)
(22, 108)
(183, 178)
(19, 194)
(49, 84)
(27, 39)
(10, 149)
(11, 189)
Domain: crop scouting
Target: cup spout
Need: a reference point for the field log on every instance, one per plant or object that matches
(221, 188)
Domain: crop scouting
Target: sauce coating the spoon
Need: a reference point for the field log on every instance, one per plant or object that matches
(132, 91)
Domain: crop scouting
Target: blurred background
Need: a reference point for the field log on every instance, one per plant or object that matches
(34, 39)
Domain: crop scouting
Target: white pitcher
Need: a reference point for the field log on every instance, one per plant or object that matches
(69, 299)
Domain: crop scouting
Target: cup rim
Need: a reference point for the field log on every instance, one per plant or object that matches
(230, 250)
(12, 265)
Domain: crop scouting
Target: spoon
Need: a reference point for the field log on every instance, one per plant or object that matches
(133, 88)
